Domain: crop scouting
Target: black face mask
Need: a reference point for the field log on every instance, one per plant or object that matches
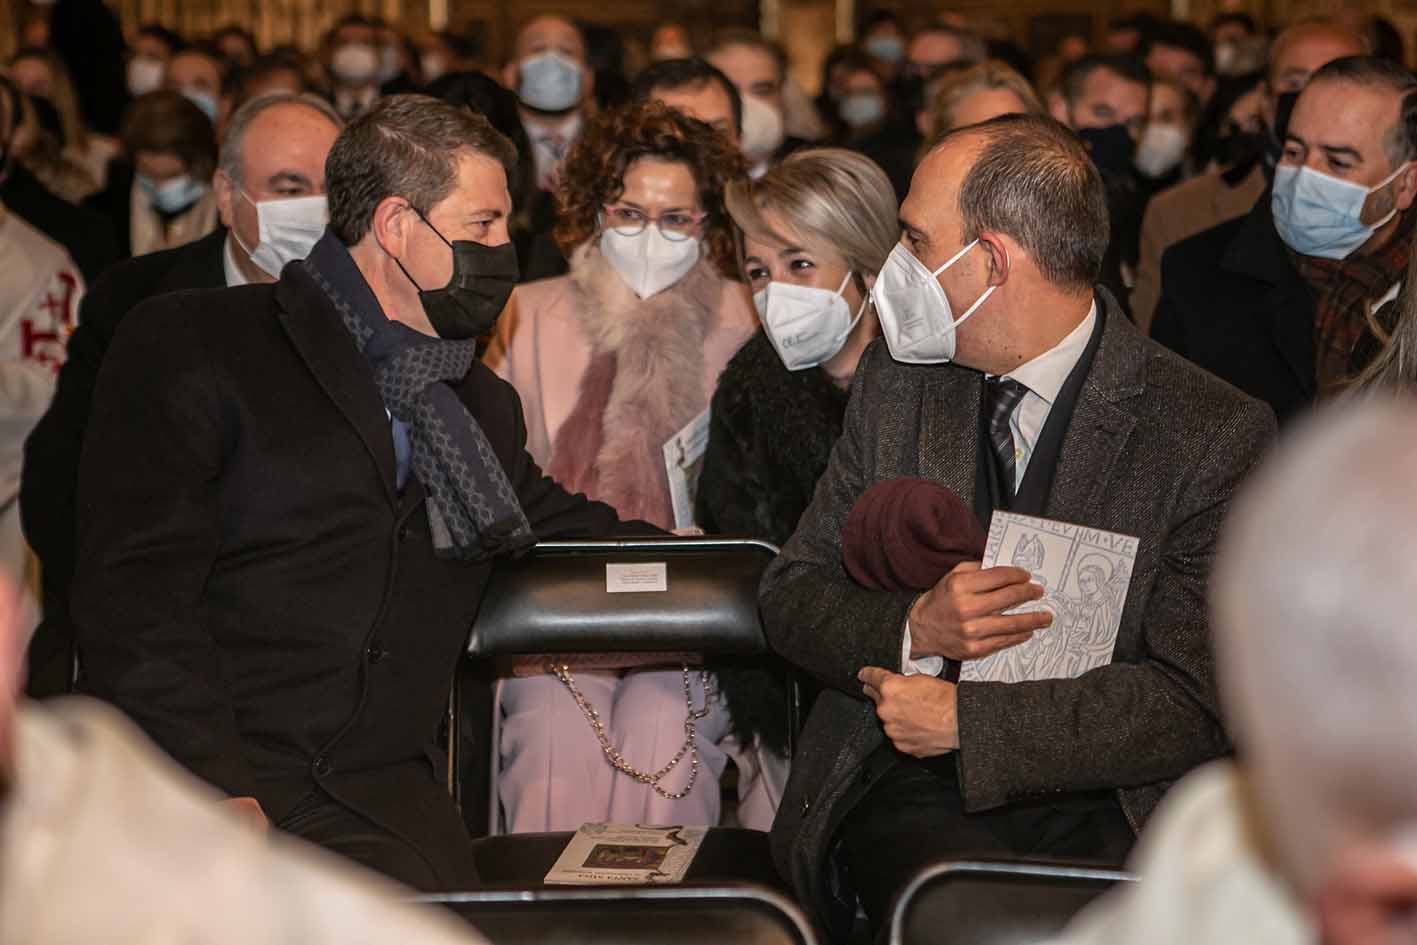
(1111, 148)
(1235, 148)
(483, 279)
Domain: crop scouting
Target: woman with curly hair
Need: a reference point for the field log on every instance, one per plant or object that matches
(611, 361)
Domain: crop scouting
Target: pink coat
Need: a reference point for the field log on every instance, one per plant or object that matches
(542, 347)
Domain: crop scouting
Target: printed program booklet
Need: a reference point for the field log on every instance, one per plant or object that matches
(611, 854)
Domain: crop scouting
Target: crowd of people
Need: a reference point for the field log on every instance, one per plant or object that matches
(303, 344)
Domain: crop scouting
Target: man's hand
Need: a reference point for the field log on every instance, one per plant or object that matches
(918, 712)
(962, 617)
(249, 810)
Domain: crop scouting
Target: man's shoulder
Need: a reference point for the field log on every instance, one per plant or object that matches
(219, 316)
(130, 282)
(1203, 252)
(1183, 398)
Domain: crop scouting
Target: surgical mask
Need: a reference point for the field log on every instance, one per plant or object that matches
(355, 64)
(482, 281)
(1111, 149)
(915, 313)
(806, 325)
(174, 195)
(433, 66)
(1318, 215)
(885, 48)
(1161, 150)
(144, 75)
(550, 82)
(1227, 57)
(648, 261)
(762, 129)
(286, 230)
(207, 103)
(861, 109)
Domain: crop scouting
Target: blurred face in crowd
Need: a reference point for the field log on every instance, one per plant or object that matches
(283, 156)
(151, 47)
(550, 34)
(1122, 39)
(235, 48)
(356, 34)
(159, 166)
(1339, 129)
(476, 210)
(930, 49)
(708, 102)
(32, 75)
(657, 190)
(1072, 48)
(1182, 66)
(191, 71)
(1247, 113)
(272, 81)
(754, 70)
(1106, 99)
(1168, 105)
(791, 261)
(1231, 31)
(670, 41)
(1301, 51)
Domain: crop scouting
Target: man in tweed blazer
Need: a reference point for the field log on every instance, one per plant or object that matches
(898, 766)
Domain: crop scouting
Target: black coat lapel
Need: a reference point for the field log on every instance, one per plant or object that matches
(1099, 429)
(315, 329)
(1258, 253)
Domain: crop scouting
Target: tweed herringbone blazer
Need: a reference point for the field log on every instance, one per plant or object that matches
(1155, 448)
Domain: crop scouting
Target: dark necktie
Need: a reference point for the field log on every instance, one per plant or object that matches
(1001, 398)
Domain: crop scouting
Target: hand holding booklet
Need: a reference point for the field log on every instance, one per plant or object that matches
(614, 854)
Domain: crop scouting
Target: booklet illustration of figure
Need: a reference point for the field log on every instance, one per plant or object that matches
(683, 460)
(1084, 572)
(611, 854)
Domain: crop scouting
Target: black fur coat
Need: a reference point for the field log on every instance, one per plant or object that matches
(771, 432)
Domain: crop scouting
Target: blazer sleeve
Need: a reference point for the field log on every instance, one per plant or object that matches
(1129, 723)
(149, 531)
(815, 616)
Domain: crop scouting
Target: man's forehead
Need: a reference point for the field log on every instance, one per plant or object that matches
(1330, 110)
(482, 184)
(553, 30)
(934, 48)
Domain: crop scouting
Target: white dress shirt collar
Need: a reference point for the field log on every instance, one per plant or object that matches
(230, 267)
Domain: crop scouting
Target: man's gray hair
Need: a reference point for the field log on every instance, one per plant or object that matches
(230, 158)
(1315, 634)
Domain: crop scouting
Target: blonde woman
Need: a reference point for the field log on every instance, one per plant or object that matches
(974, 94)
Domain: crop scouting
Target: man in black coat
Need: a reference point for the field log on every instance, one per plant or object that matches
(274, 150)
(1276, 301)
(291, 497)
(1054, 406)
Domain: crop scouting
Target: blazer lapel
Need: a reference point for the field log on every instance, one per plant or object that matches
(315, 330)
(949, 428)
(1099, 430)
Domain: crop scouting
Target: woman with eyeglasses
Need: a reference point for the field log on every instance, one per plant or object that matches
(611, 361)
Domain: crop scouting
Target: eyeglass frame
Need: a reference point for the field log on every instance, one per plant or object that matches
(672, 236)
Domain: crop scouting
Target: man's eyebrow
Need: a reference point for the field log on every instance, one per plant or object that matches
(1341, 150)
(288, 177)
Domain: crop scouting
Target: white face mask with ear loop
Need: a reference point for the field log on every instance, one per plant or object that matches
(286, 230)
(807, 326)
(915, 315)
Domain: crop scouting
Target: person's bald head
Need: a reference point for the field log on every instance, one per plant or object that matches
(1304, 48)
(1316, 646)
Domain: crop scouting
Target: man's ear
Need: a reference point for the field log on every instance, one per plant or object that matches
(227, 194)
(1058, 108)
(999, 264)
(510, 76)
(1405, 191)
(390, 225)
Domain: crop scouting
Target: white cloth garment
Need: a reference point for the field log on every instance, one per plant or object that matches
(229, 265)
(1203, 877)
(39, 307)
(103, 839)
(1044, 376)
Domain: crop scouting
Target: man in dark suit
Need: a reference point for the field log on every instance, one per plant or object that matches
(274, 150)
(1276, 301)
(1056, 406)
(291, 497)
